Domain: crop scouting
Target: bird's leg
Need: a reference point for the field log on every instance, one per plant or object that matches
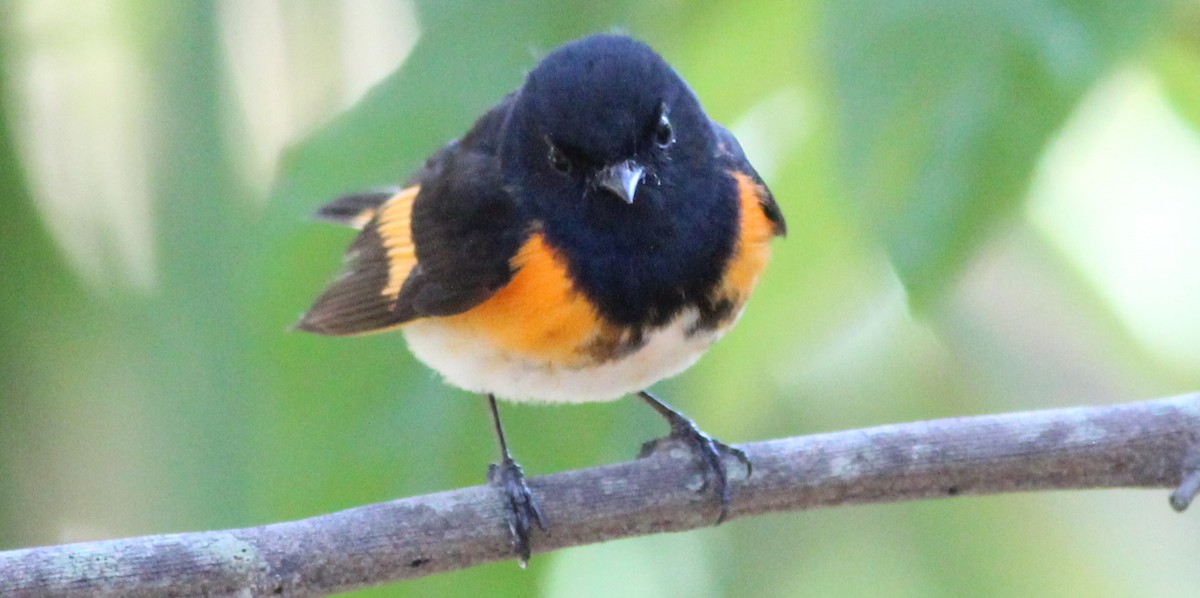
(523, 510)
(708, 450)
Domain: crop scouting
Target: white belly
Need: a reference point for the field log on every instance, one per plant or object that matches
(472, 363)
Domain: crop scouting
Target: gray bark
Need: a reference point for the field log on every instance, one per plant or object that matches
(1152, 444)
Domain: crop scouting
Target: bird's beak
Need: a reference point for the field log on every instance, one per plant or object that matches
(622, 178)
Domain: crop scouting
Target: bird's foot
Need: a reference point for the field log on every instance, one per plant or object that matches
(708, 451)
(523, 510)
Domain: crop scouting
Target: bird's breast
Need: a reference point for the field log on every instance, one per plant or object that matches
(540, 339)
(537, 314)
(472, 361)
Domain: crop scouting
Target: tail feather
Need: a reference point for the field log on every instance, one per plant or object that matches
(356, 209)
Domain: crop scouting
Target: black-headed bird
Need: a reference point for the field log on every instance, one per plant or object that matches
(593, 233)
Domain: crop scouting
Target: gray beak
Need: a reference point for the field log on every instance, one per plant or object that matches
(622, 179)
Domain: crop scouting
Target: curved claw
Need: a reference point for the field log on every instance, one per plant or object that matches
(714, 452)
(710, 453)
(523, 510)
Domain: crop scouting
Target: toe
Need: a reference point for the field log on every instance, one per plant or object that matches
(523, 510)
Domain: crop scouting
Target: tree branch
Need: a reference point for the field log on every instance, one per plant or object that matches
(1148, 444)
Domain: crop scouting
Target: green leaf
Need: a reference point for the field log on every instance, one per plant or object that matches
(1176, 62)
(944, 108)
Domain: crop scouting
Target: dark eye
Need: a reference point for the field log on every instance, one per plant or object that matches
(559, 160)
(663, 135)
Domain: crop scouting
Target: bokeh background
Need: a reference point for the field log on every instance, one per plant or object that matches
(993, 206)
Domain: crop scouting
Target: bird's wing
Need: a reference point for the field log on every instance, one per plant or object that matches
(436, 248)
(364, 296)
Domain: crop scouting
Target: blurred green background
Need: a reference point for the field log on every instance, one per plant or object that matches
(993, 206)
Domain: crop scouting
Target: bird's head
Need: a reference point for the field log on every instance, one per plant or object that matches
(603, 126)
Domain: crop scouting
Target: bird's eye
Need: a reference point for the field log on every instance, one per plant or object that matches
(559, 160)
(663, 135)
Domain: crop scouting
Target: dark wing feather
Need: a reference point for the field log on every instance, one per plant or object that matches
(364, 296)
(466, 231)
(356, 209)
(437, 248)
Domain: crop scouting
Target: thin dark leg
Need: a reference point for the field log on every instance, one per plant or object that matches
(504, 454)
(707, 450)
(523, 510)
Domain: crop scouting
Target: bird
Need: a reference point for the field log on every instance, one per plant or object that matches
(591, 234)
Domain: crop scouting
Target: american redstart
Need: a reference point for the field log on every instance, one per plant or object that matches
(593, 233)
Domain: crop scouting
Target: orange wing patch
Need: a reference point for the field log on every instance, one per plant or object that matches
(538, 314)
(393, 224)
(363, 298)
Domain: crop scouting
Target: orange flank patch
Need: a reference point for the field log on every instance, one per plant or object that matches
(394, 226)
(753, 247)
(538, 314)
